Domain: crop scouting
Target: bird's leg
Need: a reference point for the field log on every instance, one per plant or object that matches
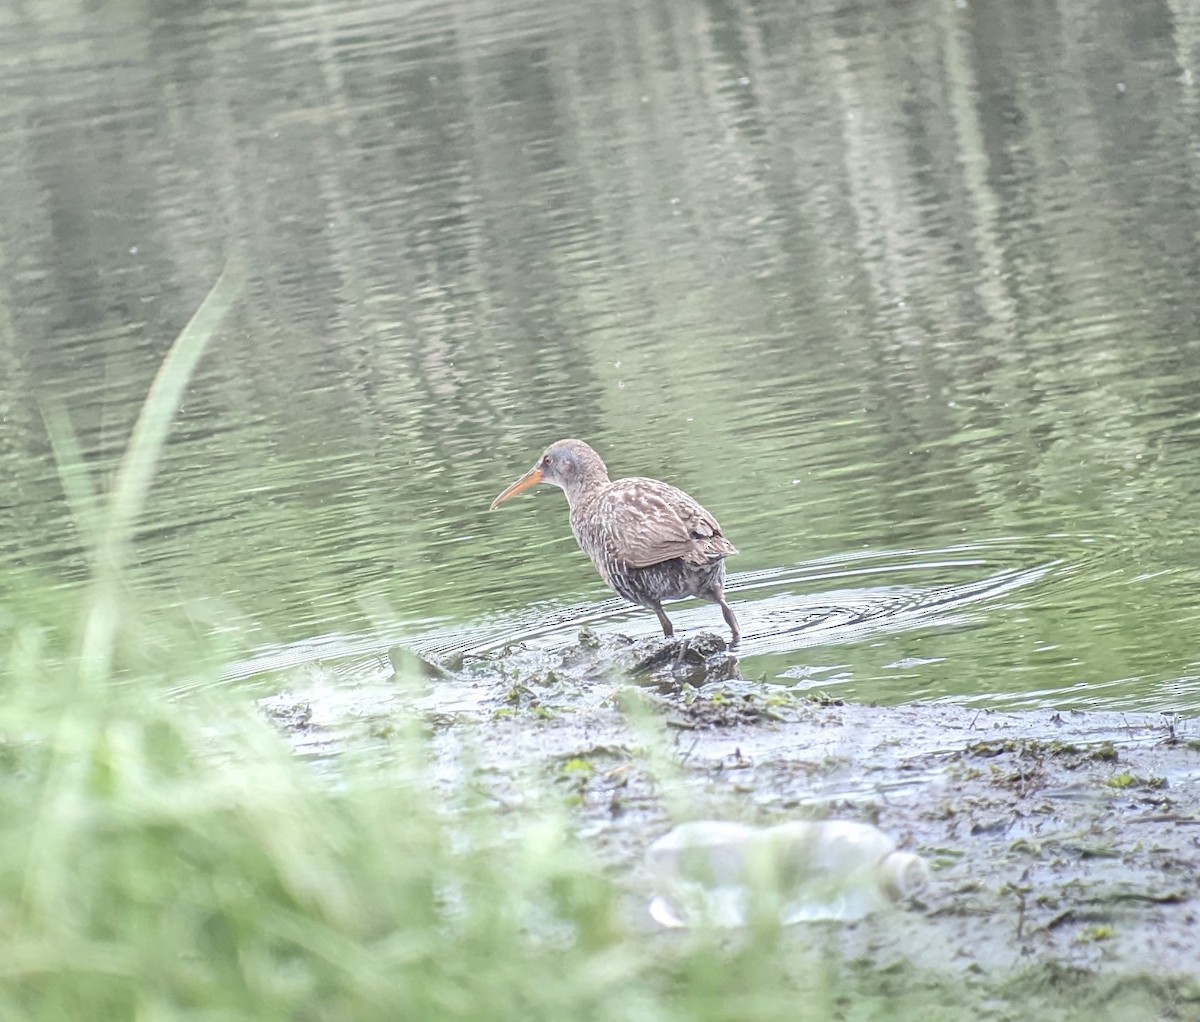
(727, 613)
(669, 633)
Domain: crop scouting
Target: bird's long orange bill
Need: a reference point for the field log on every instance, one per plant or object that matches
(527, 481)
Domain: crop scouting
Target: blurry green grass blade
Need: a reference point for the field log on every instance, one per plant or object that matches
(162, 402)
(136, 471)
(73, 474)
(78, 742)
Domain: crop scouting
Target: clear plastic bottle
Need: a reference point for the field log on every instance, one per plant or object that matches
(726, 874)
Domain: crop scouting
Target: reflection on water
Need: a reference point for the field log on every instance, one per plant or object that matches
(873, 282)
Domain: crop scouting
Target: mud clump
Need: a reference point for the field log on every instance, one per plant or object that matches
(1063, 846)
(696, 660)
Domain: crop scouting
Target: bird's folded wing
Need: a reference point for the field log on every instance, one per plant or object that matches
(646, 522)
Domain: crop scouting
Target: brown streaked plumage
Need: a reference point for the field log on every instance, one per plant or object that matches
(649, 540)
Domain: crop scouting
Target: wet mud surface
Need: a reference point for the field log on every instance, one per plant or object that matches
(1064, 846)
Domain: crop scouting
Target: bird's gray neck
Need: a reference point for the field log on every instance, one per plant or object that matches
(593, 477)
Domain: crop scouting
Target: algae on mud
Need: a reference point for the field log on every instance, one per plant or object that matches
(1063, 844)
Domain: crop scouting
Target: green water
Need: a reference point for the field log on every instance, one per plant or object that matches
(906, 294)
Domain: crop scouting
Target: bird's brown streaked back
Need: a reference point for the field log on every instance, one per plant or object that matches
(649, 540)
(644, 522)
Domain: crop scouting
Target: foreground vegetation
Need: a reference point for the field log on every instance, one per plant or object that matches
(164, 860)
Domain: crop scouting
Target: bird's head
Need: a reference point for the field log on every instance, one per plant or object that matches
(568, 464)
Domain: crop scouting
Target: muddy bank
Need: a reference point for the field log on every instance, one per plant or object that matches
(1062, 844)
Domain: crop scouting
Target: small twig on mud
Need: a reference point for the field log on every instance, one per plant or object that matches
(504, 804)
(1169, 737)
(691, 748)
(1020, 914)
(971, 726)
(1063, 917)
(618, 775)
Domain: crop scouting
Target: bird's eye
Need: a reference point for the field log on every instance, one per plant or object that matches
(546, 462)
